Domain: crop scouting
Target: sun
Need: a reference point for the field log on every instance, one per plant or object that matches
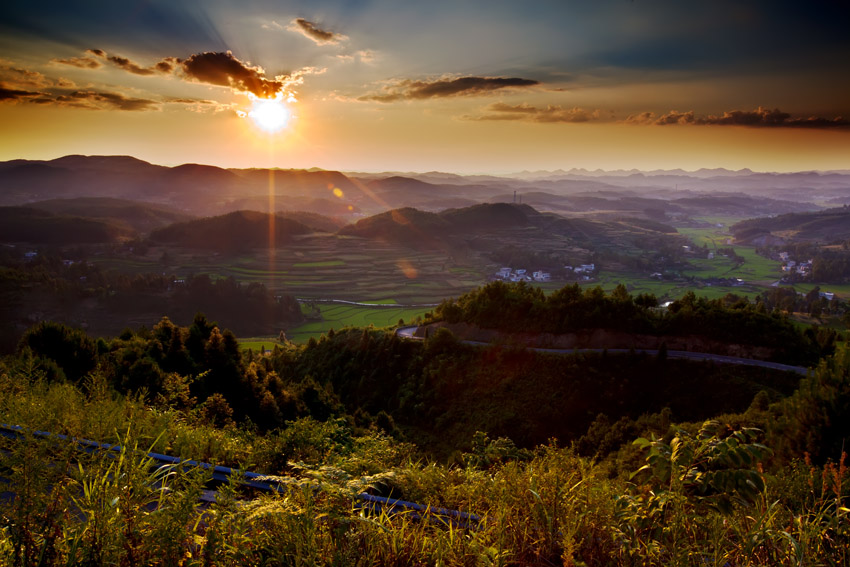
(270, 114)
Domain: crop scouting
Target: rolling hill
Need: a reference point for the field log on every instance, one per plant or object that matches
(233, 232)
(831, 225)
(422, 229)
(136, 216)
(36, 226)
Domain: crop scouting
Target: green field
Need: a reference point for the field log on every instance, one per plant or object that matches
(336, 316)
(322, 264)
(755, 269)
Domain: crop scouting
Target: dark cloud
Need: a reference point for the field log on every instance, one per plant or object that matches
(178, 100)
(97, 100)
(528, 113)
(224, 69)
(15, 88)
(167, 65)
(129, 66)
(759, 118)
(309, 30)
(462, 86)
(15, 94)
(91, 59)
(81, 62)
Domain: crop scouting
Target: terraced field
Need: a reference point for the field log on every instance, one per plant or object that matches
(322, 267)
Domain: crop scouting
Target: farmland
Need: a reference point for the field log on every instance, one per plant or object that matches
(321, 267)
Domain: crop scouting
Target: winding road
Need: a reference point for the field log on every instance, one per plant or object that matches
(408, 333)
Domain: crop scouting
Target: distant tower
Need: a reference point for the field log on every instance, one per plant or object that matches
(514, 197)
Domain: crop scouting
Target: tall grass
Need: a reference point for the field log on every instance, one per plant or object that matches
(549, 507)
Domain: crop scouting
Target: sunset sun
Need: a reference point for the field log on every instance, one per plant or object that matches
(270, 114)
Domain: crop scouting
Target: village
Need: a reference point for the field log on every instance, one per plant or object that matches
(792, 267)
(583, 272)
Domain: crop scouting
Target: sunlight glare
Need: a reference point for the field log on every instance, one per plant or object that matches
(270, 114)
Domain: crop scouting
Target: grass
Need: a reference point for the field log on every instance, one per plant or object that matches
(258, 343)
(321, 264)
(547, 507)
(840, 290)
(337, 316)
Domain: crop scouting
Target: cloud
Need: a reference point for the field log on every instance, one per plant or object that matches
(24, 86)
(224, 69)
(80, 62)
(273, 25)
(130, 67)
(309, 30)
(200, 105)
(441, 88)
(758, 118)
(24, 78)
(527, 113)
(93, 59)
(88, 99)
(167, 65)
(363, 56)
(97, 100)
(15, 94)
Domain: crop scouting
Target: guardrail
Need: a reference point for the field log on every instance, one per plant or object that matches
(368, 502)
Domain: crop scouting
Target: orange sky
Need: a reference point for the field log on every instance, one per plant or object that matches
(565, 86)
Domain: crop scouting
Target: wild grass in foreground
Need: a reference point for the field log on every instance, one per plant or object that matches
(701, 499)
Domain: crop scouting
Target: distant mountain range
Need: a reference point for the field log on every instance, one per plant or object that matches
(194, 190)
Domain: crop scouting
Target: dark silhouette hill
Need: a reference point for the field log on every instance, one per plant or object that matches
(406, 226)
(139, 217)
(421, 229)
(488, 217)
(36, 226)
(197, 189)
(233, 232)
(398, 191)
(299, 182)
(315, 221)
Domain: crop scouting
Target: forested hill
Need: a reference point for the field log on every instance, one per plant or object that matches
(138, 216)
(240, 230)
(520, 308)
(422, 229)
(28, 224)
(831, 225)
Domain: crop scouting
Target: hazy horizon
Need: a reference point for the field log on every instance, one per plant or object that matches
(576, 170)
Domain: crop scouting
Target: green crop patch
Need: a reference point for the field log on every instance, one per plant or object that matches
(320, 264)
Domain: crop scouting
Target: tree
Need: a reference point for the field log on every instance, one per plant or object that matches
(71, 349)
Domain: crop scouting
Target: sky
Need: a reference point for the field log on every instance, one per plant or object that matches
(466, 86)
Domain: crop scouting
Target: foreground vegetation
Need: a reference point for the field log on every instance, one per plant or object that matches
(541, 447)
